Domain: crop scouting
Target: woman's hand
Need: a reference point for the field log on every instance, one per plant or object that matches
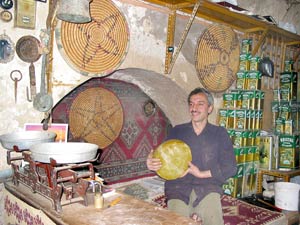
(153, 164)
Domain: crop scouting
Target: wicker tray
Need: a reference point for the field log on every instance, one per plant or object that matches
(217, 57)
(96, 116)
(96, 48)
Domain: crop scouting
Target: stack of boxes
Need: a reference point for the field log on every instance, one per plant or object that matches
(286, 118)
(241, 115)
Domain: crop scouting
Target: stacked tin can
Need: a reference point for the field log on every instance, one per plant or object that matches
(285, 110)
(241, 115)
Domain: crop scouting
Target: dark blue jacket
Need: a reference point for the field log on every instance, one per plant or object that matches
(211, 150)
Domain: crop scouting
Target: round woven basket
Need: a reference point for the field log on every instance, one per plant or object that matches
(217, 58)
(96, 48)
(96, 116)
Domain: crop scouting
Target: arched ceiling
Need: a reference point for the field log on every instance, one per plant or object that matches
(170, 97)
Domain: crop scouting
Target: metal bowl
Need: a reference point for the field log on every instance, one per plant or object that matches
(25, 139)
(64, 153)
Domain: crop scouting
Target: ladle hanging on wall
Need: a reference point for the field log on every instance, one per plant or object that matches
(43, 102)
(75, 11)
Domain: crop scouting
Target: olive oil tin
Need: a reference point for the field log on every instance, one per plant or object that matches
(246, 46)
(223, 118)
(241, 83)
(268, 153)
(254, 62)
(288, 151)
(289, 80)
(288, 65)
(254, 80)
(245, 62)
(240, 119)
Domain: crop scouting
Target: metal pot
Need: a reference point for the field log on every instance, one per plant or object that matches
(25, 139)
(64, 153)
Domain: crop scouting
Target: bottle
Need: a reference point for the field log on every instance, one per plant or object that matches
(98, 198)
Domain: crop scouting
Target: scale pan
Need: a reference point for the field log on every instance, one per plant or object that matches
(175, 156)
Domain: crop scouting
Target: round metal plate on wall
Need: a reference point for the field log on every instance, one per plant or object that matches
(149, 108)
(6, 16)
(27, 48)
(7, 49)
(6, 4)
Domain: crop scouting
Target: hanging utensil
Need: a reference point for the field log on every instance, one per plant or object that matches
(27, 49)
(43, 102)
(266, 67)
(16, 79)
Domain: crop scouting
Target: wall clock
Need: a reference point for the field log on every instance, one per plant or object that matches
(6, 4)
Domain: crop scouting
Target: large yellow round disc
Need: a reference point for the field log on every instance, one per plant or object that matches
(174, 155)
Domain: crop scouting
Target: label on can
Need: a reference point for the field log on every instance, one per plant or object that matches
(254, 61)
(245, 62)
(241, 80)
(223, 118)
(288, 65)
(246, 46)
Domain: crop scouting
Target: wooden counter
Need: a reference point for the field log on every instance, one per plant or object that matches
(128, 211)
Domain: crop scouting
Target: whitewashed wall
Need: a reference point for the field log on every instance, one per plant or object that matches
(146, 50)
(147, 25)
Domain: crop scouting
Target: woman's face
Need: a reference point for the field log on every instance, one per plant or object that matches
(199, 107)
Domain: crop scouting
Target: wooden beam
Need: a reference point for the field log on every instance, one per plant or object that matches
(296, 55)
(293, 43)
(180, 5)
(184, 34)
(262, 38)
(170, 40)
(254, 29)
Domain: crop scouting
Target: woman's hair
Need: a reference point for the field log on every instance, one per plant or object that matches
(198, 90)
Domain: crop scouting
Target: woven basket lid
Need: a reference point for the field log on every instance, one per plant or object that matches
(96, 115)
(217, 57)
(96, 48)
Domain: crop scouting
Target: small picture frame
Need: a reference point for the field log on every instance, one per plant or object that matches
(61, 130)
(25, 14)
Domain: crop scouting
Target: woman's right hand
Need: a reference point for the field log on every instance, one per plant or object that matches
(153, 164)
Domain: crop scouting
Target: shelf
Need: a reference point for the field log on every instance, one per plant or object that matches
(220, 14)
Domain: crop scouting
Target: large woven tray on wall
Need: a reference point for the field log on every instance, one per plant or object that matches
(217, 57)
(96, 115)
(96, 48)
